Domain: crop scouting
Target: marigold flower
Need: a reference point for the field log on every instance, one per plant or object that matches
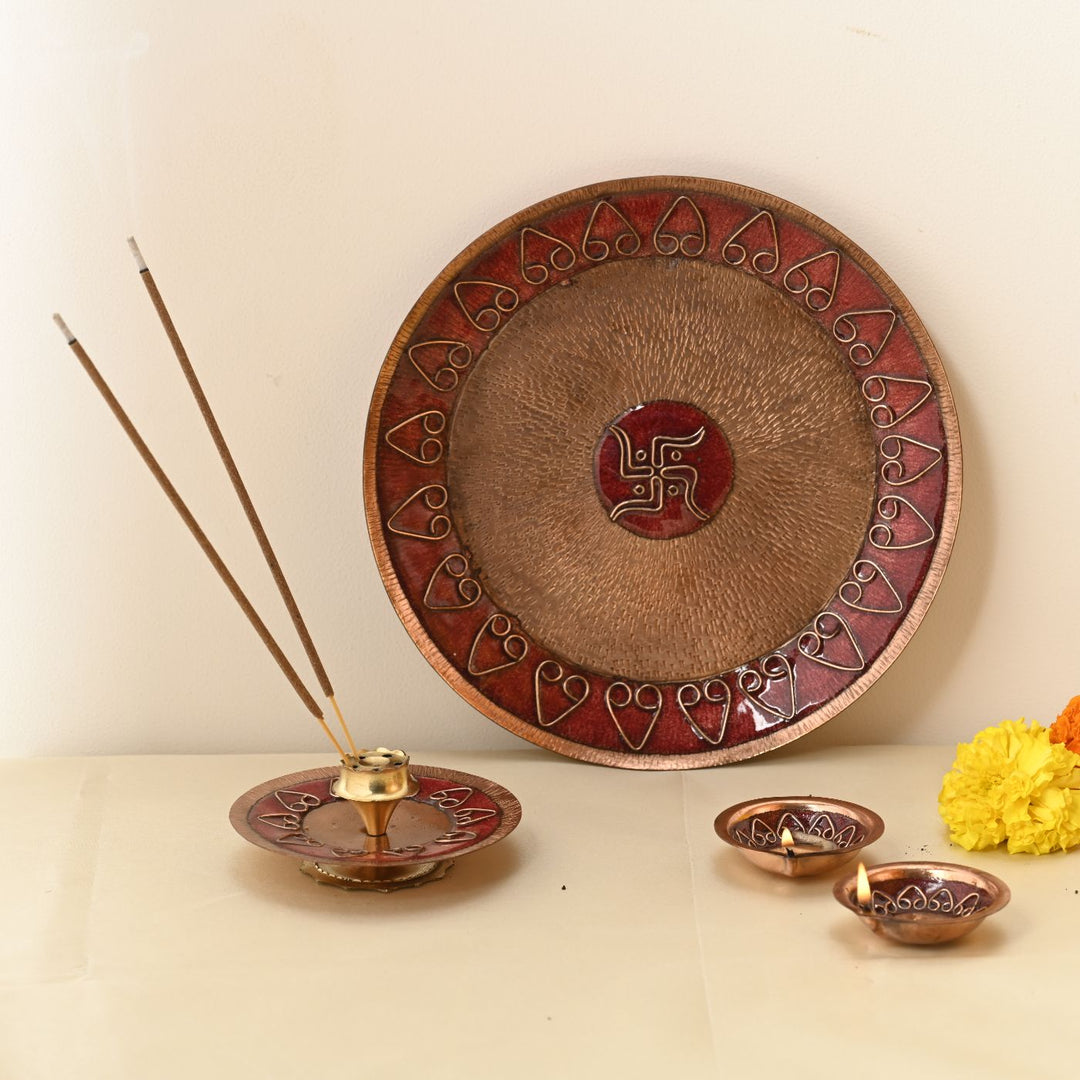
(1012, 783)
(1066, 728)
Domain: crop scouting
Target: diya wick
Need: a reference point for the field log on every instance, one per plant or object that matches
(922, 903)
(798, 836)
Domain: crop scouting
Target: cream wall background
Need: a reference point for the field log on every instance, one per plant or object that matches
(297, 173)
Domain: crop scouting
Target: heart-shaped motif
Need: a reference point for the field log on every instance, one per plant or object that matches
(618, 697)
(608, 229)
(574, 687)
(440, 362)
(866, 578)
(288, 822)
(830, 641)
(907, 459)
(815, 279)
(759, 231)
(450, 587)
(496, 632)
(417, 437)
(681, 231)
(470, 815)
(417, 517)
(541, 252)
(298, 801)
(706, 708)
(776, 672)
(901, 527)
(484, 303)
(865, 333)
(449, 798)
(789, 821)
(893, 399)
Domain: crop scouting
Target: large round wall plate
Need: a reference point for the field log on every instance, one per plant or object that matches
(662, 473)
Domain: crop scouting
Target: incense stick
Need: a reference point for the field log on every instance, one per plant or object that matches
(238, 485)
(201, 538)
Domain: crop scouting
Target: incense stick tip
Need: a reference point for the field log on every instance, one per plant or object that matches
(140, 262)
(64, 328)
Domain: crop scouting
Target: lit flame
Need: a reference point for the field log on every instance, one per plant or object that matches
(786, 839)
(862, 887)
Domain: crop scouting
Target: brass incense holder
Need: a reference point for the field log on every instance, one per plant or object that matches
(923, 903)
(376, 822)
(796, 836)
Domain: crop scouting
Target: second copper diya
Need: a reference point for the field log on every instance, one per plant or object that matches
(924, 903)
(798, 836)
(662, 472)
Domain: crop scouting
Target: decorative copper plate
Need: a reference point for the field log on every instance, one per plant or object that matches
(662, 473)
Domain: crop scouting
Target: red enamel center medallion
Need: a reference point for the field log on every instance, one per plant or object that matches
(662, 469)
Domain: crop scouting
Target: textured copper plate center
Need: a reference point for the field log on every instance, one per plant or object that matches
(522, 478)
(662, 469)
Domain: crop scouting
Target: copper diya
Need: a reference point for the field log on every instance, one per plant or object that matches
(798, 836)
(662, 472)
(409, 837)
(923, 903)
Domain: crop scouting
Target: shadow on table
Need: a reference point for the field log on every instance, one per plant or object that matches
(278, 879)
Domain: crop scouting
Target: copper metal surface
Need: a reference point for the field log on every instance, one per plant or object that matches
(924, 903)
(827, 833)
(521, 477)
(452, 814)
(536, 585)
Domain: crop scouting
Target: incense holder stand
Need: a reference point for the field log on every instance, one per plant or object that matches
(824, 833)
(924, 903)
(379, 829)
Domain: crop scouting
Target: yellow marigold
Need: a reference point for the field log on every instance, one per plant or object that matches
(1066, 728)
(1012, 783)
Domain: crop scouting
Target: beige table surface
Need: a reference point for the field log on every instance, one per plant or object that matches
(612, 935)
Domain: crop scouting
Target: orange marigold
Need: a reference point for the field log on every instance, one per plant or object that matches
(1066, 728)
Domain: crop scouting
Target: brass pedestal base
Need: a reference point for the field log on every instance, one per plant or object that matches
(369, 878)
